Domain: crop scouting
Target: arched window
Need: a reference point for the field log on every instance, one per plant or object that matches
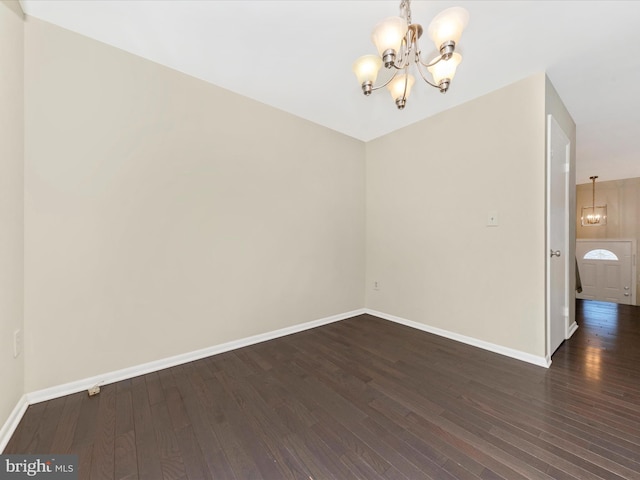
(600, 254)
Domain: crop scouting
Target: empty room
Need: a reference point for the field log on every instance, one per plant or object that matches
(319, 239)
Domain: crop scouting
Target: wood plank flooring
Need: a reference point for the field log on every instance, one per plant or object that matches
(365, 399)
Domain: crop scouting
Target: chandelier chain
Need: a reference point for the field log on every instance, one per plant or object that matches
(405, 10)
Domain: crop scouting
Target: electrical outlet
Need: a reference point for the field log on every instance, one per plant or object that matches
(17, 343)
(376, 285)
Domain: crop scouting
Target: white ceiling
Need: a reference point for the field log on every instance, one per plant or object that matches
(297, 56)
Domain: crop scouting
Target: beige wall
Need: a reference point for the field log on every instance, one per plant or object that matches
(430, 187)
(11, 202)
(622, 198)
(165, 215)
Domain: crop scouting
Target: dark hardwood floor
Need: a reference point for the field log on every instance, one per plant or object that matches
(365, 398)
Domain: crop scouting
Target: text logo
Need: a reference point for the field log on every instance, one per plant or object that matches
(39, 467)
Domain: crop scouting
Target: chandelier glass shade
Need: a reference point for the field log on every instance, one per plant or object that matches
(595, 215)
(396, 40)
(400, 88)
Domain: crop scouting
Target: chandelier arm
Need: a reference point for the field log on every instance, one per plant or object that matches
(440, 58)
(406, 82)
(385, 83)
(403, 55)
(423, 77)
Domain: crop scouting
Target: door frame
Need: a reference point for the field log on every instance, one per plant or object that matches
(569, 329)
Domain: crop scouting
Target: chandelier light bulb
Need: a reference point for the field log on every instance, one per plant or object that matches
(388, 34)
(448, 26)
(366, 69)
(593, 218)
(397, 89)
(445, 70)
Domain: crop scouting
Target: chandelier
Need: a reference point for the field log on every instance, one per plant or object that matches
(594, 215)
(396, 39)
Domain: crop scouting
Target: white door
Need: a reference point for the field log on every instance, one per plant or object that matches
(606, 270)
(558, 155)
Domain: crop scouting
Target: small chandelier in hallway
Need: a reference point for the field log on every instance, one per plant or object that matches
(594, 216)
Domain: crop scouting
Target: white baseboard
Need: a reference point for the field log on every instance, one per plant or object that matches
(116, 376)
(572, 329)
(509, 352)
(123, 374)
(12, 422)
